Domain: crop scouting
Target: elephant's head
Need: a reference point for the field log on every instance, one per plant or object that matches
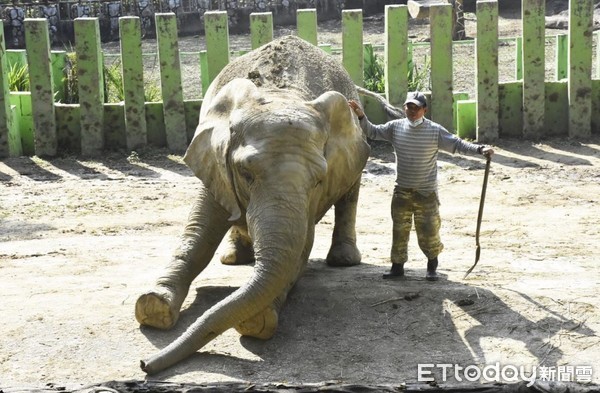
(276, 163)
(253, 145)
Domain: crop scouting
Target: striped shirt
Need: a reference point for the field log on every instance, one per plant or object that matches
(416, 150)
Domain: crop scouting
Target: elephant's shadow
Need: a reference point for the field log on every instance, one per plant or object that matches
(349, 324)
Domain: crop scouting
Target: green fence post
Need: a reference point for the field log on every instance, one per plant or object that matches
(441, 64)
(15, 142)
(596, 106)
(192, 115)
(396, 53)
(456, 97)
(487, 70)
(21, 101)
(205, 80)
(42, 93)
(133, 82)
(6, 123)
(597, 35)
(557, 108)
(58, 61)
(91, 86)
(519, 58)
(466, 118)
(510, 102)
(114, 126)
(170, 81)
(217, 41)
(68, 127)
(306, 22)
(562, 56)
(155, 121)
(352, 45)
(411, 64)
(580, 68)
(534, 65)
(326, 48)
(261, 28)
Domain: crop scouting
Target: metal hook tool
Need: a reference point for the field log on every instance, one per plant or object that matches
(480, 214)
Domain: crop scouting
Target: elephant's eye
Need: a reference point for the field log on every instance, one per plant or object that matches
(246, 175)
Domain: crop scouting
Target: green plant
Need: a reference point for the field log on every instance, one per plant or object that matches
(152, 92)
(18, 80)
(113, 85)
(70, 80)
(113, 82)
(18, 77)
(374, 74)
(418, 77)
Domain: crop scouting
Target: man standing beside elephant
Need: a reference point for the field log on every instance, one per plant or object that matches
(416, 141)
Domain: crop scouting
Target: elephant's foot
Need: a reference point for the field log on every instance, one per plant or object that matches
(263, 325)
(238, 251)
(236, 256)
(156, 309)
(343, 254)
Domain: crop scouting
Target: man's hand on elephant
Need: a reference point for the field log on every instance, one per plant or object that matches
(356, 108)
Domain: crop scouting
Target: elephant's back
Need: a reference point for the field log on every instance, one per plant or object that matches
(291, 63)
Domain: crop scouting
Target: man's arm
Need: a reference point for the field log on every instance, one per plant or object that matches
(451, 143)
(372, 131)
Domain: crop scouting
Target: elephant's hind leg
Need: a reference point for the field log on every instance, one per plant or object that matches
(206, 226)
(262, 325)
(343, 251)
(238, 250)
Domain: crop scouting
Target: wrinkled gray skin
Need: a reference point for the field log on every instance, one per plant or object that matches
(275, 148)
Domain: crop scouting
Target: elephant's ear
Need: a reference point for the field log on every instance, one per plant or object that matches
(207, 154)
(345, 144)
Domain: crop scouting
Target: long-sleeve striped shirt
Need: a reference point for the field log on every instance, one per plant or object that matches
(416, 150)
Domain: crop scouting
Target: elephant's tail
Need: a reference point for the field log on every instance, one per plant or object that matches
(390, 110)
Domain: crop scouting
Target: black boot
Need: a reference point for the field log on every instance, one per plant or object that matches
(432, 265)
(397, 270)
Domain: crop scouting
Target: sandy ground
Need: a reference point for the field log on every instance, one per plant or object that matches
(80, 240)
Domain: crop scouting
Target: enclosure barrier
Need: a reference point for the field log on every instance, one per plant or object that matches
(62, 13)
(34, 123)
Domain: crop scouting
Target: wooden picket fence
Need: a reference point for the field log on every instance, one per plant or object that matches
(33, 123)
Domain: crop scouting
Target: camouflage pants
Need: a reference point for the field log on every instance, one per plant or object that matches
(406, 204)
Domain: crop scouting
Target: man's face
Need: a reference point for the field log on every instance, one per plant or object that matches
(414, 112)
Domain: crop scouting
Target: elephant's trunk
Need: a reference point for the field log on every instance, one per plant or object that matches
(278, 244)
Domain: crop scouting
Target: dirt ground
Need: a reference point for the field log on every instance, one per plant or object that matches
(80, 240)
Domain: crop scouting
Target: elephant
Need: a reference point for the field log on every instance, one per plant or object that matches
(275, 148)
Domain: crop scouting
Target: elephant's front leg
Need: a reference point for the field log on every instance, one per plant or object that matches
(343, 251)
(206, 226)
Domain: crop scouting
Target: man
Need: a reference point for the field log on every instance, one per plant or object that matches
(416, 141)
